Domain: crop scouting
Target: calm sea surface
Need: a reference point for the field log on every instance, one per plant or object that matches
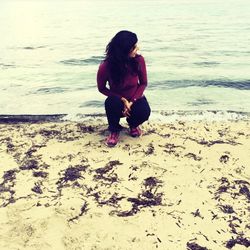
(197, 53)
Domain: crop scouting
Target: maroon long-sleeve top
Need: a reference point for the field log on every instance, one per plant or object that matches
(132, 87)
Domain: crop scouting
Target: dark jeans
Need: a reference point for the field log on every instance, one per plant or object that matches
(139, 113)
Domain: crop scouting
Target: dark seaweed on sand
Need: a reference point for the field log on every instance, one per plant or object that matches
(224, 158)
(151, 182)
(227, 209)
(147, 198)
(9, 175)
(245, 191)
(112, 201)
(239, 240)
(107, 167)
(84, 210)
(150, 150)
(30, 164)
(7, 185)
(106, 173)
(235, 188)
(65, 134)
(37, 188)
(71, 175)
(9, 144)
(85, 129)
(195, 246)
(193, 156)
(31, 151)
(8, 180)
(170, 148)
(211, 143)
(41, 174)
(197, 213)
(49, 133)
(233, 225)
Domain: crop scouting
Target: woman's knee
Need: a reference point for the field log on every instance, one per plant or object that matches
(142, 110)
(146, 112)
(112, 101)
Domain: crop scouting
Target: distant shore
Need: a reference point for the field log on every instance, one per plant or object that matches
(182, 185)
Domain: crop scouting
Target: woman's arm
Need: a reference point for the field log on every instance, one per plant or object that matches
(102, 79)
(143, 80)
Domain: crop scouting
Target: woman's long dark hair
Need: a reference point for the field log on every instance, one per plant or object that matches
(117, 56)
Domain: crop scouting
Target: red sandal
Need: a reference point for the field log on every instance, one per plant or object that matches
(112, 139)
(135, 132)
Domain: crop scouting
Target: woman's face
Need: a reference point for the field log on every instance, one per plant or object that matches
(133, 51)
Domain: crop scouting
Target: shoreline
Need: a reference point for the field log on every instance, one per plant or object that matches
(160, 116)
(62, 188)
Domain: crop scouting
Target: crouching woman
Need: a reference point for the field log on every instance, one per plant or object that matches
(122, 77)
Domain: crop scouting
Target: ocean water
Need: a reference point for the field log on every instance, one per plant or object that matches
(197, 54)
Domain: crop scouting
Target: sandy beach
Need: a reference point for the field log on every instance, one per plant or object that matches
(182, 185)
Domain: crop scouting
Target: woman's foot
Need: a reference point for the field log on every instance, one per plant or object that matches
(135, 132)
(112, 139)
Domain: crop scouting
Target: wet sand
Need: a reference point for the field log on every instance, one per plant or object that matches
(182, 185)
